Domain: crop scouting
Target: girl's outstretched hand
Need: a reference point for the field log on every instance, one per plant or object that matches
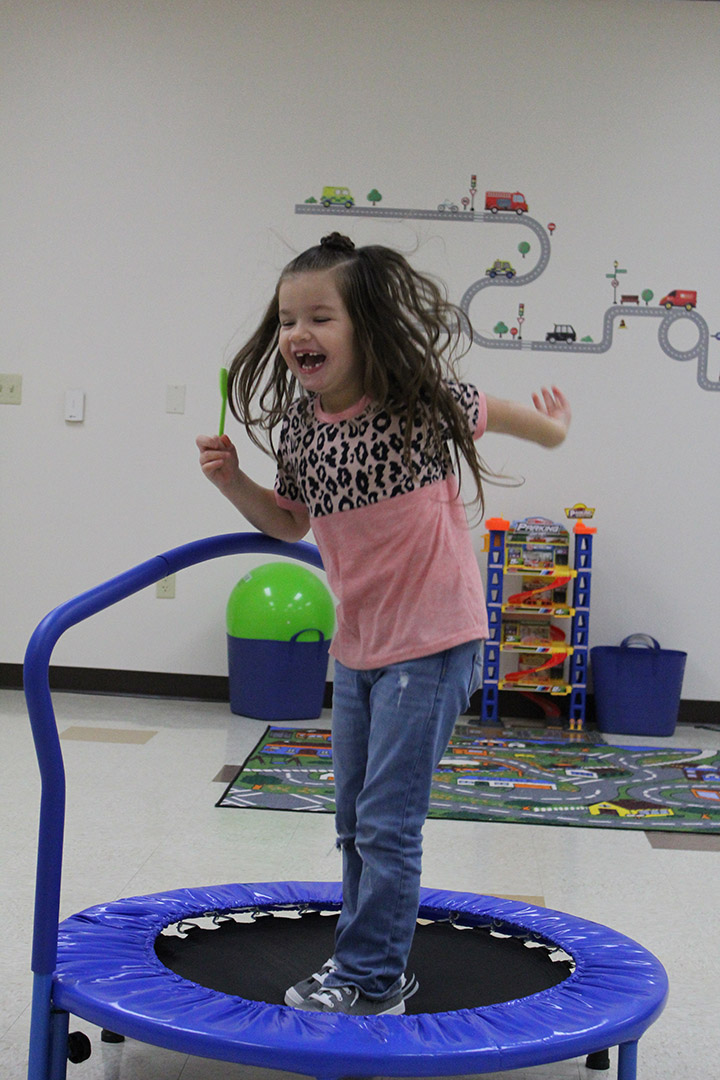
(218, 460)
(546, 424)
(554, 405)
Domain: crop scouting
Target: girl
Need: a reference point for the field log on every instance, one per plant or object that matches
(354, 360)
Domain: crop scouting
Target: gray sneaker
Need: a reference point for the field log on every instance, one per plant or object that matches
(298, 994)
(409, 985)
(350, 1001)
(301, 991)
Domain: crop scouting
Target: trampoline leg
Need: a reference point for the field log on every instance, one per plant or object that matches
(39, 1053)
(59, 1022)
(627, 1061)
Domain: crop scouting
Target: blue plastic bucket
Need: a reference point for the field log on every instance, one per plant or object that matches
(637, 690)
(278, 680)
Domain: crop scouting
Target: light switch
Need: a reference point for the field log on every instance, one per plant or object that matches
(75, 406)
(175, 399)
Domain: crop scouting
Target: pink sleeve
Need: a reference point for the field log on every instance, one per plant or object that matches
(290, 504)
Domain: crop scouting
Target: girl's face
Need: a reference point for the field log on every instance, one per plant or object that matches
(317, 341)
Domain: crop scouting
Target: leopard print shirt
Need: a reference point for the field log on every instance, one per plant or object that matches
(332, 464)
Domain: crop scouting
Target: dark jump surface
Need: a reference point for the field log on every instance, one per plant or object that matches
(456, 968)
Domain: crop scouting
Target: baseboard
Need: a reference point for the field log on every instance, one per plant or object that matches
(216, 688)
(130, 683)
(514, 705)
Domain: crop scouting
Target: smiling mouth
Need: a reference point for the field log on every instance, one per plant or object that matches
(311, 361)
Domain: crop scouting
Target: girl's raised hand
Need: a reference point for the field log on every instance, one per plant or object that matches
(218, 459)
(219, 462)
(554, 405)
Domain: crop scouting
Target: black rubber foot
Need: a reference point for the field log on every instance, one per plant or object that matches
(599, 1060)
(110, 1037)
(79, 1047)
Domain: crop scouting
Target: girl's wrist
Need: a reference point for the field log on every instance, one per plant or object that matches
(229, 486)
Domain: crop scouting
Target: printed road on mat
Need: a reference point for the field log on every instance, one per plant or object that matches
(507, 779)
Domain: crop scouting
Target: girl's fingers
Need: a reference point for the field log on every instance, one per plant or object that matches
(550, 401)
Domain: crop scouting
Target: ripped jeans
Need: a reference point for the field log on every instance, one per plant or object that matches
(391, 726)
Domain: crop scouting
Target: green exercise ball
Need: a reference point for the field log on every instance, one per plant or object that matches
(278, 600)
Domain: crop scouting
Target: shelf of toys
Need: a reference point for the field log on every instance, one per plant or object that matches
(550, 658)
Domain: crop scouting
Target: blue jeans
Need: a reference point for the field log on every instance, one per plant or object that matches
(391, 726)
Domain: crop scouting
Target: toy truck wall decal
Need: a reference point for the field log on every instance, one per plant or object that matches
(514, 201)
(686, 298)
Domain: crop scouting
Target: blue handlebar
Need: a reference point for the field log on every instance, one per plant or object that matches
(42, 715)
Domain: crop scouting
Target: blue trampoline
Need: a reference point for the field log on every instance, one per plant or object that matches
(103, 965)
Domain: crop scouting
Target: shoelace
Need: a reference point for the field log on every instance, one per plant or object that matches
(324, 971)
(333, 995)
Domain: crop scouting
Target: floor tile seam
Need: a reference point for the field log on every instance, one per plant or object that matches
(19, 1016)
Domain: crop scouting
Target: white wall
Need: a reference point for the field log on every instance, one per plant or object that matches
(154, 153)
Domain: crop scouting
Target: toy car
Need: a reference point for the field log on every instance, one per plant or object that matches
(332, 196)
(501, 267)
(561, 332)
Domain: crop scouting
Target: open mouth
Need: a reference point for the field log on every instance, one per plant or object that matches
(310, 361)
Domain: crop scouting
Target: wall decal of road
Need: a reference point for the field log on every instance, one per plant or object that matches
(503, 209)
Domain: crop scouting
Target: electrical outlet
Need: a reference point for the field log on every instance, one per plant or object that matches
(10, 389)
(165, 588)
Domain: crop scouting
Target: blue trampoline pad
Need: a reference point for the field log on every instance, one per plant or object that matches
(109, 973)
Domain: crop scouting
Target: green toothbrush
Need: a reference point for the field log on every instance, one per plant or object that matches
(223, 398)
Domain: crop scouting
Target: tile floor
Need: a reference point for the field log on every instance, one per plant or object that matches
(143, 776)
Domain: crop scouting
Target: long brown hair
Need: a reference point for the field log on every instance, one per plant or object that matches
(409, 338)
